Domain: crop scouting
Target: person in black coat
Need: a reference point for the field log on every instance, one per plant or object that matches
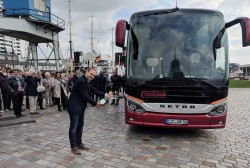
(100, 84)
(78, 99)
(94, 83)
(72, 80)
(116, 84)
(4, 89)
(123, 81)
(41, 95)
(17, 85)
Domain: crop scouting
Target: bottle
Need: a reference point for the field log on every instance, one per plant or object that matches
(103, 101)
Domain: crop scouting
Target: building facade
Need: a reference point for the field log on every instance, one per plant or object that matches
(246, 70)
(10, 51)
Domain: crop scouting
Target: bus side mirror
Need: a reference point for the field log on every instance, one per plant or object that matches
(245, 27)
(120, 33)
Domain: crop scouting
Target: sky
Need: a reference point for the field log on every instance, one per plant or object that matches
(106, 13)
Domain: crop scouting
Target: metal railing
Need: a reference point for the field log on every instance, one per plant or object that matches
(35, 14)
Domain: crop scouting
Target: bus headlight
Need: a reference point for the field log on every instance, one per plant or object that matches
(134, 107)
(219, 110)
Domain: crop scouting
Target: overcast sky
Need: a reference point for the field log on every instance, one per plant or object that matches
(107, 12)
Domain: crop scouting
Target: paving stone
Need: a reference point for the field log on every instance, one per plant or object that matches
(42, 162)
(5, 156)
(220, 166)
(212, 161)
(136, 165)
(53, 165)
(242, 161)
(22, 162)
(226, 164)
(230, 161)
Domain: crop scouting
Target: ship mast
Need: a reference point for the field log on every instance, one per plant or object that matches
(91, 41)
(112, 64)
(92, 38)
(112, 44)
(70, 36)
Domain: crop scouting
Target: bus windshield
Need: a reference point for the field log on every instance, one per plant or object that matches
(177, 46)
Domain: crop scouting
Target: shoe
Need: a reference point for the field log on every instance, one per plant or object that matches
(42, 108)
(76, 151)
(83, 147)
(22, 115)
(6, 110)
(35, 113)
(117, 103)
(59, 109)
(2, 111)
(18, 116)
(112, 103)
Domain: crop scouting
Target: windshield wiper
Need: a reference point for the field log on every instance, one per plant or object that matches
(217, 41)
(205, 82)
(162, 12)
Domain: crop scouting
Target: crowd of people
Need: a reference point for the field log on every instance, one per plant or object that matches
(37, 91)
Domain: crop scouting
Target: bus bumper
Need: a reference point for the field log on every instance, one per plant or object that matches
(194, 121)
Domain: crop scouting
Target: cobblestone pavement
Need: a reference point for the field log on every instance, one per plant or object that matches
(114, 144)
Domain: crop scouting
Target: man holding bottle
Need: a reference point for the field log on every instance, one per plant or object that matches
(79, 97)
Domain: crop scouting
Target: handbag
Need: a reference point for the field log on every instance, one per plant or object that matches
(40, 87)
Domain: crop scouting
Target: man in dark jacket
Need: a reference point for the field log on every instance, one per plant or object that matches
(31, 90)
(116, 81)
(77, 103)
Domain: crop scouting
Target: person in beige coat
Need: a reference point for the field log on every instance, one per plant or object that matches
(64, 92)
(57, 89)
(52, 79)
(47, 82)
